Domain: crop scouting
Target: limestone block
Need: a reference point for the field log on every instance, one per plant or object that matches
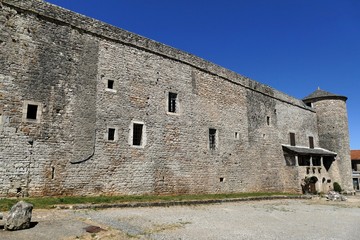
(19, 216)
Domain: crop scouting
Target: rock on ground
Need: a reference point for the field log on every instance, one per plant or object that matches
(335, 196)
(19, 216)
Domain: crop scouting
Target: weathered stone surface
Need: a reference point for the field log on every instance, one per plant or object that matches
(19, 216)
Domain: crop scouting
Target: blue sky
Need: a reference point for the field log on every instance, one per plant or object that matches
(294, 46)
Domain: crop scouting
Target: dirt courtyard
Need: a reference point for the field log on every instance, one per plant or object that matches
(267, 219)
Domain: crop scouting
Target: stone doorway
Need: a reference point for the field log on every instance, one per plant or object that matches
(312, 185)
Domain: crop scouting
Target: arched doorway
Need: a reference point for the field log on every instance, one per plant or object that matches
(312, 185)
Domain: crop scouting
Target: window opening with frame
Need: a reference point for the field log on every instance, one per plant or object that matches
(137, 134)
(31, 112)
(311, 142)
(52, 172)
(110, 84)
(172, 102)
(236, 136)
(292, 139)
(304, 160)
(316, 160)
(212, 138)
(111, 134)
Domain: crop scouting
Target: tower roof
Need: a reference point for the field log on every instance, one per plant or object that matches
(321, 94)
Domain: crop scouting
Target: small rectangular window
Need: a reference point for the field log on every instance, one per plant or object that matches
(110, 84)
(31, 112)
(212, 138)
(111, 134)
(292, 139)
(172, 102)
(137, 134)
(311, 142)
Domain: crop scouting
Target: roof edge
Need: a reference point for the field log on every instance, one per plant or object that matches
(320, 94)
(309, 151)
(324, 98)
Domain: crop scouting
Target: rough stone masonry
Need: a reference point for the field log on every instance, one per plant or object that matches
(87, 109)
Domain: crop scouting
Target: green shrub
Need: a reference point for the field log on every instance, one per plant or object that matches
(337, 187)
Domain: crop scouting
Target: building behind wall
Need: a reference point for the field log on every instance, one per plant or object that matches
(87, 109)
(355, 165)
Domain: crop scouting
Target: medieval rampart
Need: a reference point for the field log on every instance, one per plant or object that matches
(87, 108)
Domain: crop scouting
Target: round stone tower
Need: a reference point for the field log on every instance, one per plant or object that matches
(333, 132)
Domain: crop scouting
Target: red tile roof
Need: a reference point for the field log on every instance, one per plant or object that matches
(355, 154)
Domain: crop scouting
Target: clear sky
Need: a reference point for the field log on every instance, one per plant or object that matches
(294, 46)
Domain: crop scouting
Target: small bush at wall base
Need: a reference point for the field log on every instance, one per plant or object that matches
(337, 187)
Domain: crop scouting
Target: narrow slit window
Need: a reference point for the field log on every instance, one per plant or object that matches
(311, 142)
(268, 120)
(111, 134)
(292, 139)
(52, 172)
(236, 136)
(172, 106)
(31, 112)
(137, 134)
(212, 138)
(110, 84)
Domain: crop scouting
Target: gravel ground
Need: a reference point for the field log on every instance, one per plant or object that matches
(272, 219)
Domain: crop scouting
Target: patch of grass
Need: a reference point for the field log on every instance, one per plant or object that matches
(7, 203)
(50, 202)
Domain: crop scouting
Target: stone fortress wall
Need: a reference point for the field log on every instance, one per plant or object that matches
(88, 109)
